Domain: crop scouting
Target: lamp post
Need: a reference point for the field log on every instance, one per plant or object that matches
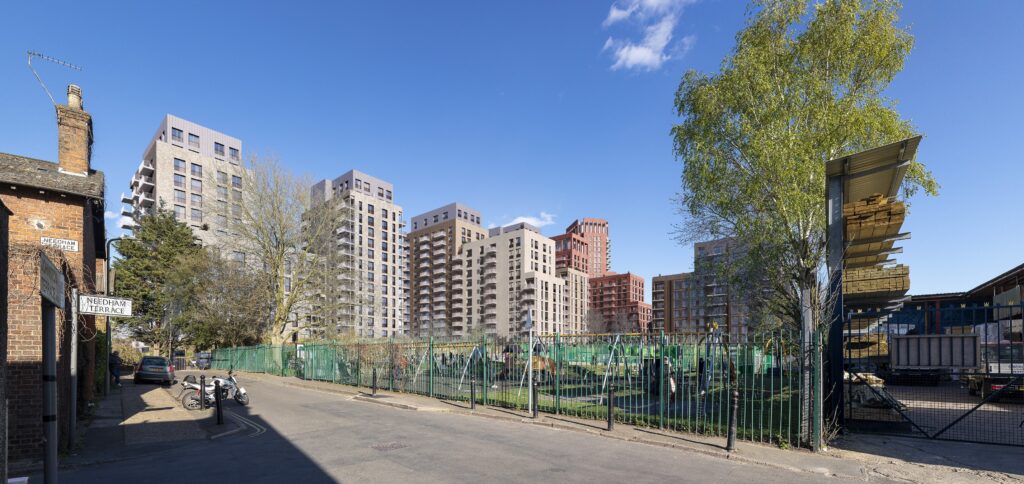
(110, 333)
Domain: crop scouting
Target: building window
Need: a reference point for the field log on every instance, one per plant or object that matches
(369, 220)
(179, 165)
(237, 195)
(176, 135)
(388, 196)
(193, 141)
(222, 177)
(222, 193)
(197, 200)
(234, 153)
(369, 208)
(179, 212)
(197, 185)
(239, 256)
(179, 181)
(218, 149)
(197, 170)
(179, 196)
(236, 181)
(380, 192)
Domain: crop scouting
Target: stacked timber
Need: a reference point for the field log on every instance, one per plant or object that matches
(876, 280)
(874, 216)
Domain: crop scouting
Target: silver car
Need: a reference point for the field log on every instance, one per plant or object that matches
(155, 369)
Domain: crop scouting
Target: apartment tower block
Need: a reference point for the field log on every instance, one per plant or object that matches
(435, 268)
(372, 242)
(194, 171)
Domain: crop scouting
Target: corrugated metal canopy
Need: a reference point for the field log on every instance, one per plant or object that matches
(878, 170)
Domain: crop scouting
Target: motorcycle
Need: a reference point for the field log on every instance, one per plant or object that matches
(229, 389)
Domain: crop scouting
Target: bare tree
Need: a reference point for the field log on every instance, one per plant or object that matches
(275, 226)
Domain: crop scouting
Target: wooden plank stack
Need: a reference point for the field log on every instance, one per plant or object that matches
(877, 280)
(874, 216)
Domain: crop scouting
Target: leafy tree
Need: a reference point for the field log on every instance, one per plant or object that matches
(232, 308)
(154, 272)
(804, 84)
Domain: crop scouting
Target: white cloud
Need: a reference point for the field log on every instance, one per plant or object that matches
(658, 20)
(544, 219)
(110, 215)
(124, 220)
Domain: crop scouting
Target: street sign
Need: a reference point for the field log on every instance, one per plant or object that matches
(63, 245)
(104, 306)
(51, 282)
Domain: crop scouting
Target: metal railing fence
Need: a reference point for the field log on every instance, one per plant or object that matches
(674, 381)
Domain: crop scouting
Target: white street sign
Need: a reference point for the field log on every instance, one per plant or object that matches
(104, 306)
(63, 245)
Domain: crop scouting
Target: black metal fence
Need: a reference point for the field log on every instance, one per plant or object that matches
(952, 373)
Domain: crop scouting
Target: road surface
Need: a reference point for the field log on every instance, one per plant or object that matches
(305, 436)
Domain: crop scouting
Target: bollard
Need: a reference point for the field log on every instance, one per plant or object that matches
(216, 398)
(202, 392)
(730, 443)
(472, 393)
(611, 408)
(534, 402)
(374, 382)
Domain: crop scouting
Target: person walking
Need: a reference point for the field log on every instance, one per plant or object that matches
(115, 367)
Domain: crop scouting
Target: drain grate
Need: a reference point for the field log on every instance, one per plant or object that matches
(386, 446)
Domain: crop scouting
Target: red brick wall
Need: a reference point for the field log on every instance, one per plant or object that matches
(37, 215)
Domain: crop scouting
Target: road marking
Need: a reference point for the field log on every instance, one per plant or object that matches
(257, 428)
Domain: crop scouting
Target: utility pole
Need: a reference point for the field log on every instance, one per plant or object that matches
(110, 319)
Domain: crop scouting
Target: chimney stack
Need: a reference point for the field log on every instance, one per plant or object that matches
(74, 134)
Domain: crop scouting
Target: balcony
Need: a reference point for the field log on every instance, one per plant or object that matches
(439, 252)
(529, 288)
(146, 199)
(128, 199)
(146, 182)
(128, 211)
(438, 262)
(422, 242)
(146, 168)
(423, 265)
(440, 234)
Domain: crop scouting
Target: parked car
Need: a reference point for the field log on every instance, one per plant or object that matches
(156, 369)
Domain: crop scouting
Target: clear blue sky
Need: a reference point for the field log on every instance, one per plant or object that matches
(550, 110)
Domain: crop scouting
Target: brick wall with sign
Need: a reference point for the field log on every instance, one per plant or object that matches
(61, 200)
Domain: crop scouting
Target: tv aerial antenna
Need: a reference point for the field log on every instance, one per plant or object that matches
(54, 60)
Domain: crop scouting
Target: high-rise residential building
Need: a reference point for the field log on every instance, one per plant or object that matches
(672, 303)
(595, 232)
(617, 303)
(507, 274)
(572, 258)
(194, 171)
(373, 248)
(716, 301)
(435, 268)
(690, 301)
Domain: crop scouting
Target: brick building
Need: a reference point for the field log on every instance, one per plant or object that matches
(56, 209)
(572, 257)
(617, 303)
(595, 232)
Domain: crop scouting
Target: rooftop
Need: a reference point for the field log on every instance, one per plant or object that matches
(30, 172)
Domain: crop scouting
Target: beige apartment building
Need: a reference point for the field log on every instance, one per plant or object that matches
(435, 269)
(504, 276)
(192, 170)
(371, 281)
(673, 298)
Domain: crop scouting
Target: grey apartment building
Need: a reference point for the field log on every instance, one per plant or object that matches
(436, 268)
(372, 280)
(690, 301)
(194, 171)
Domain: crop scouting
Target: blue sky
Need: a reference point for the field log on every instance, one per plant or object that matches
(545, 110)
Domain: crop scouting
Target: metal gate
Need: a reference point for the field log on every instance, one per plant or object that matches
(954, 373)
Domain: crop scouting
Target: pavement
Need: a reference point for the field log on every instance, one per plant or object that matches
(295, 430)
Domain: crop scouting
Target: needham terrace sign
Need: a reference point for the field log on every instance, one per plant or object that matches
(104, 306)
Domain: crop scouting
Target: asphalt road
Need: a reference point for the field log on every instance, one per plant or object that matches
(299, 435)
